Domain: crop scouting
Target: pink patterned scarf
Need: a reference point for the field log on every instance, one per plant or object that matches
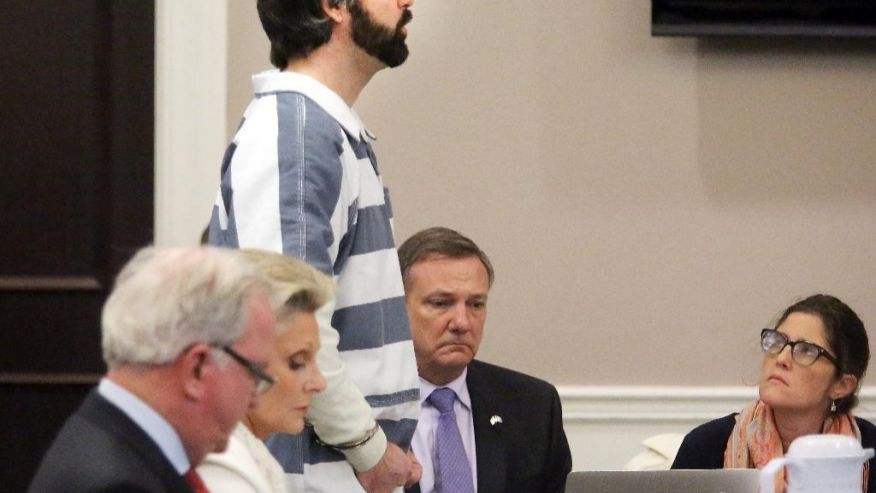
(755, 440)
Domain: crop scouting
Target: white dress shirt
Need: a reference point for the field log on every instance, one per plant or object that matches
(158, 429)
(423, 442)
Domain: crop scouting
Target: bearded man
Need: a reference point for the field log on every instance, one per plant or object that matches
(300, 178)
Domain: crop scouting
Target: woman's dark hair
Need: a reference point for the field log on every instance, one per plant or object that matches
(295, 27)
(845, 335)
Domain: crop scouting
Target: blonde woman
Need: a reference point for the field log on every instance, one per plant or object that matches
(287, 383)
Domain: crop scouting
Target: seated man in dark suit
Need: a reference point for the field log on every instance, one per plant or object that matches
(186, 333)
(479, 424)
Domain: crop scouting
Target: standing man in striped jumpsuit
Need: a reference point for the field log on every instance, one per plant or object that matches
(301, 178)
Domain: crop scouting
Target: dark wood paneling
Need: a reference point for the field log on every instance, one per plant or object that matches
(76, 200)
(77, 171)
(55, 147)
(51, 331)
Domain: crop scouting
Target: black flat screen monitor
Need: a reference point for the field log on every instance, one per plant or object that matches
(818, 18)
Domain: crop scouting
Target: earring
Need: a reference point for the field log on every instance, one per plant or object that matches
(833, 406)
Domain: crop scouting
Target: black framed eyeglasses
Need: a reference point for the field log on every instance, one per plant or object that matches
(802, 352)
(262, 379)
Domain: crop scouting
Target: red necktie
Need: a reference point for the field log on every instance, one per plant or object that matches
(195, 482)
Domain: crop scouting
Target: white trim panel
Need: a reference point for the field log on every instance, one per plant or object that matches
(190, 115)
(605, 425)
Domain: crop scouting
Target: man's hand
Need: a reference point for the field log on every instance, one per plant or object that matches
(416, 470)
(394, 469)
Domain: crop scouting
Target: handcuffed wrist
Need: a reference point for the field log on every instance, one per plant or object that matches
(365, 456)
(355, 443)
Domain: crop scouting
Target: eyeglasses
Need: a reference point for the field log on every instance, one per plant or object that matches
(802, 352)
(263, 380)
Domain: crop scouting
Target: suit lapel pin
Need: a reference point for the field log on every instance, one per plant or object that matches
(494, 419)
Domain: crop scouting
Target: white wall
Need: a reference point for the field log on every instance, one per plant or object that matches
(649, 203)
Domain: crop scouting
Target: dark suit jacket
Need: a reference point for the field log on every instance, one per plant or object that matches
(99, 449)
(703, 447)
(527, 451)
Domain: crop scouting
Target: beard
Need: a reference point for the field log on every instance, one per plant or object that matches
(385, 44)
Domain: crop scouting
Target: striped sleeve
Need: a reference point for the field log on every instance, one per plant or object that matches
(280, 191)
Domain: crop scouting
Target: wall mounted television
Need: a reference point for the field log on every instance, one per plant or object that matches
(815, 18)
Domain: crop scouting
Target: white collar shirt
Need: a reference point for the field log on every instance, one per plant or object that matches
(274, 81)
(158, 429)
(423, 442)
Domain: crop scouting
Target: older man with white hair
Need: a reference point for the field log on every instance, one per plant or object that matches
(187, 333)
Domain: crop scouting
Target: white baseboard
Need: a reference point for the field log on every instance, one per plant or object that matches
(605, 425)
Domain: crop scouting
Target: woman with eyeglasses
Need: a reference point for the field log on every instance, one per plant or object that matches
(812, 368)
(285, 385)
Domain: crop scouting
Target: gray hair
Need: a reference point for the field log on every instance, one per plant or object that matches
(443, 242)
(166, 299)
(295, 286)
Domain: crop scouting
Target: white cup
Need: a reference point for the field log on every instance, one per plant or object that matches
(819, 464)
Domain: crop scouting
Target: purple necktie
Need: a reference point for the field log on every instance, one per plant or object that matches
(452, 472)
